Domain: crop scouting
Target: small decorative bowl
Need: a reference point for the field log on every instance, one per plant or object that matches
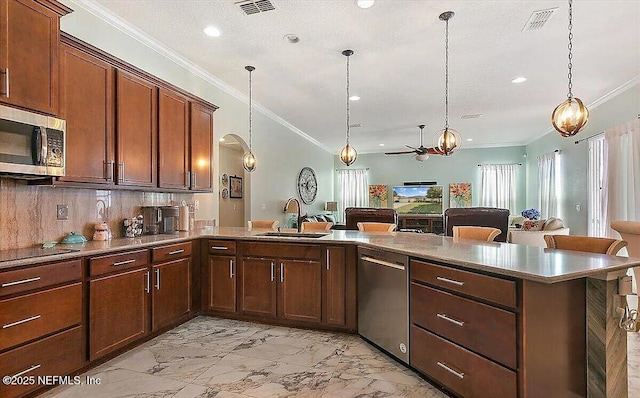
(73, 238)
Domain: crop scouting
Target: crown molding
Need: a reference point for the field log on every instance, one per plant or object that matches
(594, 104)
(106, 15)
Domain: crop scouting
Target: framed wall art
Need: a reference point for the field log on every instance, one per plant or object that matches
(460, 194)
(235, 187)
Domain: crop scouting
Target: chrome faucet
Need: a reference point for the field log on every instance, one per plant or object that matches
(297, 209)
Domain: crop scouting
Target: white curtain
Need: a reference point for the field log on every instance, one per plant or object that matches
(596, 211)
(353, 189)
(498, 187)
(621, 188)
(548, 185)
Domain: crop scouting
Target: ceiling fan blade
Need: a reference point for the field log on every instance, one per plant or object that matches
(415, 149)
(399, 152)
(433, 151)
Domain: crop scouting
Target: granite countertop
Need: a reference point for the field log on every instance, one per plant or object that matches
(525, 262)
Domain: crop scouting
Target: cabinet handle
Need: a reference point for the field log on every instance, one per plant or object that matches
(219, 248)
(108, 170)
(448, 369)
(231, 269)
(8, 325)
(21, 282)
(6, 82)
(121, 171)
(281, 273)
(440, 278)
(193, 180)
(119, 263)
(32, 368)
(187, 179)
(327, 259)
(158, 279)
(382, 262)
(173, 253)
(446, 318)
(272, 276)
(148, 287)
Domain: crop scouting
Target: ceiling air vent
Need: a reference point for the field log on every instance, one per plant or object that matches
(538, 19)
(255, 7)
(471, 116)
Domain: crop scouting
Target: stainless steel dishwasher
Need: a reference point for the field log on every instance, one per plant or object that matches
(383, 301)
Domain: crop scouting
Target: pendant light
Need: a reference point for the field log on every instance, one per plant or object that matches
(348, 154)
(570, 116)
(447, 141)
(249, 159)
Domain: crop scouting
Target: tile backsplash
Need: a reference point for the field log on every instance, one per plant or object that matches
(28, 212)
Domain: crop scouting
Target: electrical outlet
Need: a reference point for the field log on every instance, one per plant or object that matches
(263, 206)
(578, 207)
(196, 204)
(62, 212)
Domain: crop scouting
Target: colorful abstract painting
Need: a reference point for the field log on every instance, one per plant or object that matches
(460, 194)
(378, 196)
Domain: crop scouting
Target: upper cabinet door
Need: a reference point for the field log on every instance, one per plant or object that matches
(136, 129)
(201, 147)
(173, 141)
(86, 103)
(29, 54)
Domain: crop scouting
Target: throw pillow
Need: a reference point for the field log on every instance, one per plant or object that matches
(533, 225)
(330, 218)
(553, 223)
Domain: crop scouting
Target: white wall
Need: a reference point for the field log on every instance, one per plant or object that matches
(574, 157)
(281, 153)
(231, 209)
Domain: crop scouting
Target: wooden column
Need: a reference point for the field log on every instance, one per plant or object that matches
(606, 342)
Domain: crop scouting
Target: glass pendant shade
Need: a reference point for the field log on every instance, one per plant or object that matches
(447, 141)
(249, 161)
(570, 117)
(348, 155)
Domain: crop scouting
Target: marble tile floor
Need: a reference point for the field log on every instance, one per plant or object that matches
(210, 357)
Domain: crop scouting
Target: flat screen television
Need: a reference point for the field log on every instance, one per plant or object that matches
(418, 199)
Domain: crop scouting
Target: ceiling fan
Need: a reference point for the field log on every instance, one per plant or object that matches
(421, 152)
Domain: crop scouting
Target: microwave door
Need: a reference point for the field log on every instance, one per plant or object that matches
(16, 143)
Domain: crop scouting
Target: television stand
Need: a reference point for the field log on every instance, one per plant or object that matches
(426, 223)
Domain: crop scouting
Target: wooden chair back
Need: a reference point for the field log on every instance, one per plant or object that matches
(585, 244)
(376, 227)
(272, 224)
(630, 231)
(487, 234)
(315, 226)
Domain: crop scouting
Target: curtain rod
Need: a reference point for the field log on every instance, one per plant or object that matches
(366, 168)
(586, 138)
(503, 164)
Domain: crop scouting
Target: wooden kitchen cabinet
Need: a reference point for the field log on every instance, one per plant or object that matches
(118, 310)
(300, 290)
(258, 287)
(201, 147)
(222, 283)
(87, 104)
(334, 295)
(173, 140)
(29, 53)
(171, 290)
(137, 129)
(171, 296)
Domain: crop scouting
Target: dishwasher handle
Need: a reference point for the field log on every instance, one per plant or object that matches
(382, 262)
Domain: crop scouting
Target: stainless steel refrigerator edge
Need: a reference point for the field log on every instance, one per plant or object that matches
(383, 301)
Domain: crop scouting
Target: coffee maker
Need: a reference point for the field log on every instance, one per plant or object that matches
(152, 220)
(170, 219)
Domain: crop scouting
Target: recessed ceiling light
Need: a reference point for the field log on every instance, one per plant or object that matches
(365, 3)
(291, 38)
(381, 144)
(354, 98)
(469, 139)
(519, 80)
(211, 31)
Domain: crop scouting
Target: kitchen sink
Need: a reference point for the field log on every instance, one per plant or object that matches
(295, 234)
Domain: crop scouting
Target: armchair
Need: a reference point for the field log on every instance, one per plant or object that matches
(354, 215)
(478, 217)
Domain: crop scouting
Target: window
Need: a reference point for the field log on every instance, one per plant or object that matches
(498, 187)
(548, 185)
(595, 210)
(353, 189)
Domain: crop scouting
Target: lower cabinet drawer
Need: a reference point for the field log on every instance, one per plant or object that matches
(482, 328)
(57, 355)
(33, 315)
(460, 370)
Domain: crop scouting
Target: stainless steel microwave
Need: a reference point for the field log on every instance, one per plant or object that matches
(31, 145)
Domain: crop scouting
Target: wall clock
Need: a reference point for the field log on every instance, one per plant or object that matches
(307, 185)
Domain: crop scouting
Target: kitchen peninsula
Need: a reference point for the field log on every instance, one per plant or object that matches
(521, 311)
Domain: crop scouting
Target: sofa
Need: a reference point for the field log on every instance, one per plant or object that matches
(354, 215)
(478, 217)
(535, 236)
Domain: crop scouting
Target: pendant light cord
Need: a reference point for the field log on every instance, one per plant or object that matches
(250, 105)
(446, 76)
(570, 95)
(348, 110)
